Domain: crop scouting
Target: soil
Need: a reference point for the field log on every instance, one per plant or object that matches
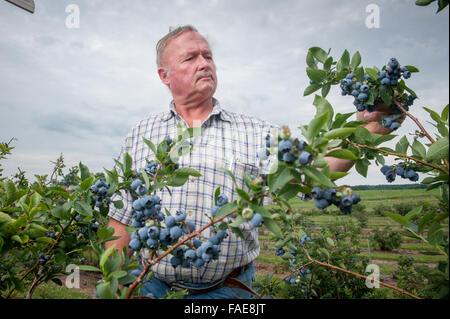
(88, 279)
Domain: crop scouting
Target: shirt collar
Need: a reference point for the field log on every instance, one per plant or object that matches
(217, 110)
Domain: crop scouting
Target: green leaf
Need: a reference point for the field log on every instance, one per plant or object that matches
(84, 185)
(339, 132)
(413, 212)
(187, 171)
(272, 226)
(362, 135)
(317, 175)
(225, 210)
(104, 291)
(330, 241)
(336, 175)
(311, 89)
(318, 53)
(359, 74)
(229, 173)
(290, 190)
(150, 145)
(84, 171)
(238, 232)
(216, 194)
(445, 113)
(316, 125)
(424, 2)
(316, 75)
(340, 119)
(118, 204)
(326, 89)
(310, 60)
(127, 163)
(243, 194)
(83, 208)
(434, 115)
(176, 180)
(418, 149)
(105, 232)
(362, 167)
(343, 153)
(280, 180)
(386, 95)
(105, 255)
(402, 145)
(438, 150)
(411, 68)
(372, 73)
(356, 60)
(88, 268)
(344, 62)
(398, 218)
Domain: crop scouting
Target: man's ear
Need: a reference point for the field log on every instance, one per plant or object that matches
(164, 75)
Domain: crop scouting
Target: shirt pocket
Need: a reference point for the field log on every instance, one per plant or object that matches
(238, 169)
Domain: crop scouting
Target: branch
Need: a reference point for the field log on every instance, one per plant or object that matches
(440, 168)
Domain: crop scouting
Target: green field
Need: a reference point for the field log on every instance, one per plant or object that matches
(422, 252)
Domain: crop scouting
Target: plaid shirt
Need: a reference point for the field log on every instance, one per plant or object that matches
(229, 140)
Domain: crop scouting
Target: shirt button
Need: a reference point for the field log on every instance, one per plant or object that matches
(189, 212)
(192, 179)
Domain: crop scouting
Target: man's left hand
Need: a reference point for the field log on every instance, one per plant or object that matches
(374, 119)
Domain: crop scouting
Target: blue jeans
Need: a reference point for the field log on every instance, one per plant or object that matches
(159, 288)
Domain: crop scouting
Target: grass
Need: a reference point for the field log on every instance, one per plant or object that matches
(50, 290)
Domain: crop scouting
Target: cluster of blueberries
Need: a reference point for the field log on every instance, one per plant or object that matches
(288, 151)
(325, 197)
(390, 172)
(147, 218)
(43, 258)
(360, 91)
(100, 189)
(392, 73)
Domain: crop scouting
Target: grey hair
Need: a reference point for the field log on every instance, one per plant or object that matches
(162, 43)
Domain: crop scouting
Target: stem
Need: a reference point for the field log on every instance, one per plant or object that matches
(420, 126)
(156, 260)
(399, 155)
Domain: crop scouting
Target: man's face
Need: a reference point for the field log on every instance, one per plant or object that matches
(191, 71)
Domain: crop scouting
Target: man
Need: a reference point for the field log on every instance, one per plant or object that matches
(186, 65)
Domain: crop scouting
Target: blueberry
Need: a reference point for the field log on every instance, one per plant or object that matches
(285, 146)
(394, 126)
(390, 176)
(321, 203)
(384, 169)
(175, 261)
(350, 76)
(329, 193)
(164, 235)
(180, 215)
(364, 88)
(206, 257)
(347, 201)
(143, 233)
(355, 93)
(199, 262)
(387, 122)
(175, 232)
(141, 190)
(222, 199)
(355, 198)
(257, 220)
(362, 97)
(385, 81)
(221, 234)
(169, 221)
(214, 210)
(382, 74)
(135, 184)
(197, 242)
(189, 228)
(152, 243)
(289, 157)
(134, 244)
(190, 254)
(305, 158)
(301, 145)
(316, 192)
(399, 170)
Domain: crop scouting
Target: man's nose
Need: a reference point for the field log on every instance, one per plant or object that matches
(203, 62)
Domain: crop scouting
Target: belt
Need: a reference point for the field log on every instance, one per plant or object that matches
(229, 281)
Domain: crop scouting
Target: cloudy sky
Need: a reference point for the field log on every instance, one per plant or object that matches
(78, 91)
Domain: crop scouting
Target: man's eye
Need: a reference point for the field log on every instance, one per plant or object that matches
(189, 58)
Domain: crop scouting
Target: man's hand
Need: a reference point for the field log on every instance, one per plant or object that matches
(374, 119)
